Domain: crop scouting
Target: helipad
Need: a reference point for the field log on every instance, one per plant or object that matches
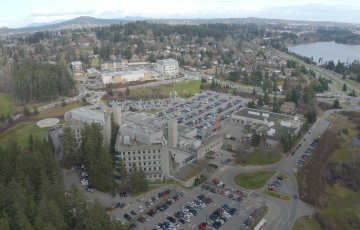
(49, 122)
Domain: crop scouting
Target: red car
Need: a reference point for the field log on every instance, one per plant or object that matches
(175, 199)
(238, 191)
(271, 189)
(201, 227)
(212, 189)
(221, 192)
(153, 211)
(141, 220)
(163, 194)
(214, 180)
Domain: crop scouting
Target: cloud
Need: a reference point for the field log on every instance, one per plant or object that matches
(62, 12)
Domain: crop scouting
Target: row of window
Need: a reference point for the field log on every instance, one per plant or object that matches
(148, 169)
(144, 163)
(139, 158)
(149, 176)
(208, 149)
(134, 152)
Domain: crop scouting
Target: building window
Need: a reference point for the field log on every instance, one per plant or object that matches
(159, 151)
(159, 162)
(143, 152)
(123, 153)
(154, 176)
(129, 170)
(138, 152)
(144, 169)
(160, 176)
(139, 158)
(149, 169)
(149, 157)
(129, 159)
(159, 156)
(128, 153)
(159, 168)
(154, 157)
(144, 158)
(154, 162)
(129, 164)
(154, 168)
(149, 176)
(144, 163)
(149, 163)
(134, 153)
(139, 163)
(124, 159)
(153, 151)
(134, 158)
(149, 151)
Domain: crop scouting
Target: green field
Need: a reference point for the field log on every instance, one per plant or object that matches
(304, 223)
(22, 132)
(95, 62)
(38, 105)
(284, 176)
(236, 83)
(6, 104)
(150, 188)
(57, 111)
(276, 195)
(260, 157)
(253, 180)
(191, 87)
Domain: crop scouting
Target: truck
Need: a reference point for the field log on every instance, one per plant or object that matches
(228, 136)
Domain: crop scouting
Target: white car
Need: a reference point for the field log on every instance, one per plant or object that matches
(186, 219)
(141, 209)
(150, 202)
(145, 218)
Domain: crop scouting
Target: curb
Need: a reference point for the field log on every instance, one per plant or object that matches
(257, 166)
(276, 197)
(119, 208)
(147, 192)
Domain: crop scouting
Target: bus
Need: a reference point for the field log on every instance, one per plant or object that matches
(260, 225)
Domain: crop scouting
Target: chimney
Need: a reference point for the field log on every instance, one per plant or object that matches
(118, 115)
(172, 133)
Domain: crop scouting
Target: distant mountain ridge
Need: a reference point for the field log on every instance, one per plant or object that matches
(43, 24)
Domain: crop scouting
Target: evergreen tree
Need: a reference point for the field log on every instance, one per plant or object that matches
(36, 112)
(69, 144)
(51, 143)
(344, 88)
(127, 91)
(255, 139)
(30, 143)
(260, 102)
(114, 131)
(336, 104)
(266, 99)
(213, 85)
(26, 111)
(142, 179)
(2, 118)
(122, 170)
(201, 86)
(135, 180)
(63, 103)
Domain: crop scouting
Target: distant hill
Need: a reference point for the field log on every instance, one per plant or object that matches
(43, 24)
(135, 18)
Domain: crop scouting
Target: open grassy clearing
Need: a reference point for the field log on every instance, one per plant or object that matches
(236, 83)
(276, 195)
(56, 112)
(6, 104)
(331, 117)
(38, 105)
(260, 157)
(304, 223)
(95, 62)
(191, 87)
(253, 180)
(284, 176)
(78, 51)
(22, 132)
(149, 189)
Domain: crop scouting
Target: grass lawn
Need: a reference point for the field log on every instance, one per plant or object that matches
(40, 104)
(352, 83)
(191, 87)
(162, 182)
(6, 104)
(57, 111)
(95, 62)
(331, 117)
(304, 223)
(22, 132)
(253, 180)
(276, 195)
(151, 111)
(150, 188)
(260, 157)
(284, 176)
(236, 83)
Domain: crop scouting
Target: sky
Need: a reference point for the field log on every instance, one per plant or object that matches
(19, 13)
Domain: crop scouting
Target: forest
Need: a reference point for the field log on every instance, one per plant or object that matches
(41, 82)
(33, 194)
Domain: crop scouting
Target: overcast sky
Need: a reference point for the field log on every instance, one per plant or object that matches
(19, 13)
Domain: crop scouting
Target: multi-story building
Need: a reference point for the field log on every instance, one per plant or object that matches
(113, 65)
(76, 67)
(162, 148)
(168, 67)
(77, 118)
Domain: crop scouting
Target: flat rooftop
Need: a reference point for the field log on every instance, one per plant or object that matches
(181, 153)
(261, 115)
(187, 172)
(280, 131)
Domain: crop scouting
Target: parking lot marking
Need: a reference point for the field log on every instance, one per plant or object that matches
(248, 207)
(277, 223)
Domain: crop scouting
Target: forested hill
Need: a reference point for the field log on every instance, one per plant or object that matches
(33, 193)
(41, 82)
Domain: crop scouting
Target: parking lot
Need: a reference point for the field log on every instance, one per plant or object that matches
(144, 105)
(244, 208)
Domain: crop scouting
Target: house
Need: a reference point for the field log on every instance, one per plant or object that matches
(288, 107)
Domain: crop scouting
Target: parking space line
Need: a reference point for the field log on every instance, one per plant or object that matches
(248, 207)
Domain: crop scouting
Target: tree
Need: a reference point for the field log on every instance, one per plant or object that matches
(212, 86)
(255, 139)
(36, 112)
(2, 118)
(9, 118)
(127, 91)
(114, 131)
(310, 116)
(30, 143)
(336, 104)
(135, 180)
(344, 88)
(120, 167)
(266, 99)
(142, 179)
(84, 100)
(69, 144)
(26, 111)
(132, 109)
(254, 92)
(51, 143)
(260, 102)
(201, 86)
(63, 103)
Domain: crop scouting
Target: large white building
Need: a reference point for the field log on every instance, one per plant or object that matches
(167, 67)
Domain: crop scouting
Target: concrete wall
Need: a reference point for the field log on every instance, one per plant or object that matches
(191, 181)
(117, 79)
(147, 76)
(213, 145)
